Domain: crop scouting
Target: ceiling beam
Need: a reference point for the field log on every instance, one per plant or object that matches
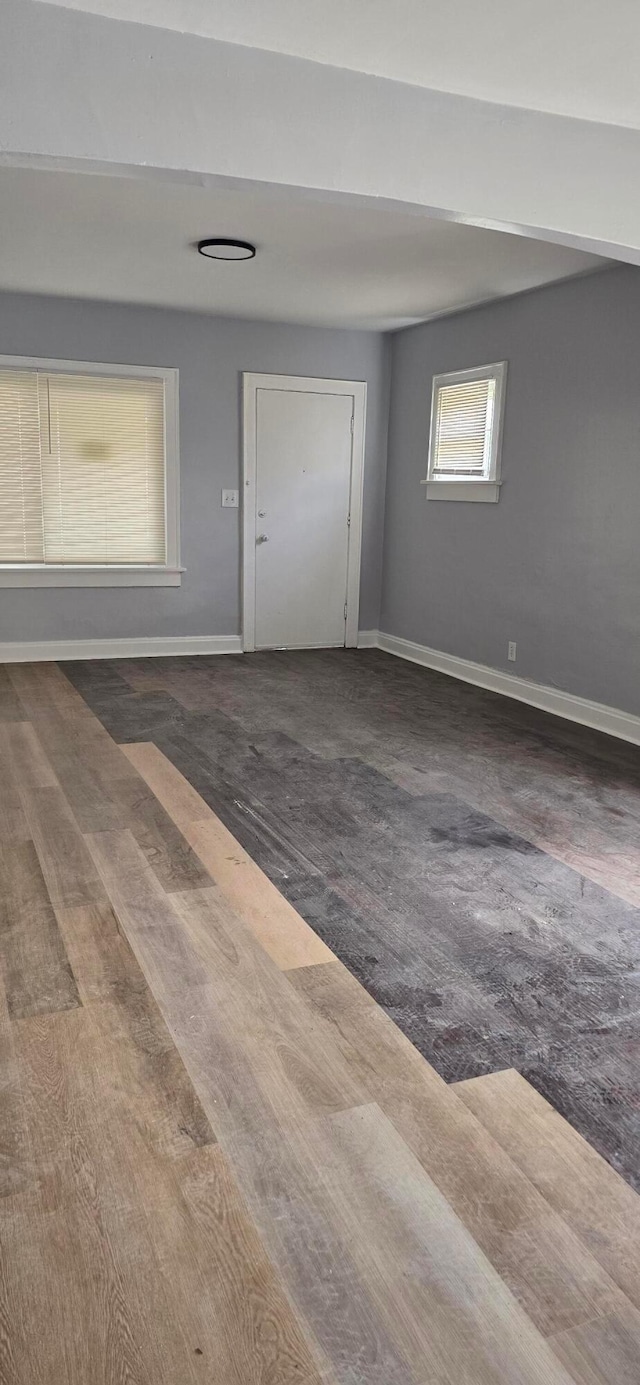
(80, 91)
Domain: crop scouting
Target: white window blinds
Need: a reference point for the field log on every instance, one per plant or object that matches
(82, 469)
(21, 535)
(463, 425)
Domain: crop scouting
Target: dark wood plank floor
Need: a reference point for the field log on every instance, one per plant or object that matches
(474, 862)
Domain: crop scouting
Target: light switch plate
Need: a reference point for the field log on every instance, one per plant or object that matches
(230, 500)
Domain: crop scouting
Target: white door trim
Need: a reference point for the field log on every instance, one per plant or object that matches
(307, 385)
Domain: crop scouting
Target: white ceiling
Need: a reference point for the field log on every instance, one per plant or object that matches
(325, 263)
(571, 57)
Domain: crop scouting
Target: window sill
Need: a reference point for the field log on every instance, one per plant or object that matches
(16, 575)
(463, 490)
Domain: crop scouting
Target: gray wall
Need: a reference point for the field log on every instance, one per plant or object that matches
(555, 565)
(210, 353)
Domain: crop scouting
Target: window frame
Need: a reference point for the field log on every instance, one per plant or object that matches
(167, 574)
(486, 487)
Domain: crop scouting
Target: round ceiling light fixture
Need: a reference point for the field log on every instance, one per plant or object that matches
(221, 249)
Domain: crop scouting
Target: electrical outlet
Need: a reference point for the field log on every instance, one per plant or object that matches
(512, 651)
(230, 500)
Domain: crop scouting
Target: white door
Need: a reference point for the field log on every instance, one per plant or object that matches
(304, 445)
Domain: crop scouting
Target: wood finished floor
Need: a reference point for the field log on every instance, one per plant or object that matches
(220, 1159)
(473, 862)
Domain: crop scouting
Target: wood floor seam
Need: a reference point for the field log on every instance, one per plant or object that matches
(423, 800)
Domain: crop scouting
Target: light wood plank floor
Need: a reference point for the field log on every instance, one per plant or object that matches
(220, 1160)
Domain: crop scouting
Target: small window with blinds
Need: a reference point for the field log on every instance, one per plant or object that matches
(88, 474)
(466, 425)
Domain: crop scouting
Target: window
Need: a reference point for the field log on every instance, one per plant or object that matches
(88, 475)
(466, 426)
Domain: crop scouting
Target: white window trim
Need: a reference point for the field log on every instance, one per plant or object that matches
(168, 574)
(483, 488)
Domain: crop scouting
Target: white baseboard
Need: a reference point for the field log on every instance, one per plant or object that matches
(563, 704)
(51, 651)
(595, 714)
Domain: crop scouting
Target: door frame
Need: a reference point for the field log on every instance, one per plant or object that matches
(307, 385)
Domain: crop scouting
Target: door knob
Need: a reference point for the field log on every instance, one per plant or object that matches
(262, 538)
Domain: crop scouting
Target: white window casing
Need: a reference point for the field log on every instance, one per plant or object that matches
(465, 436)
(89, 474)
